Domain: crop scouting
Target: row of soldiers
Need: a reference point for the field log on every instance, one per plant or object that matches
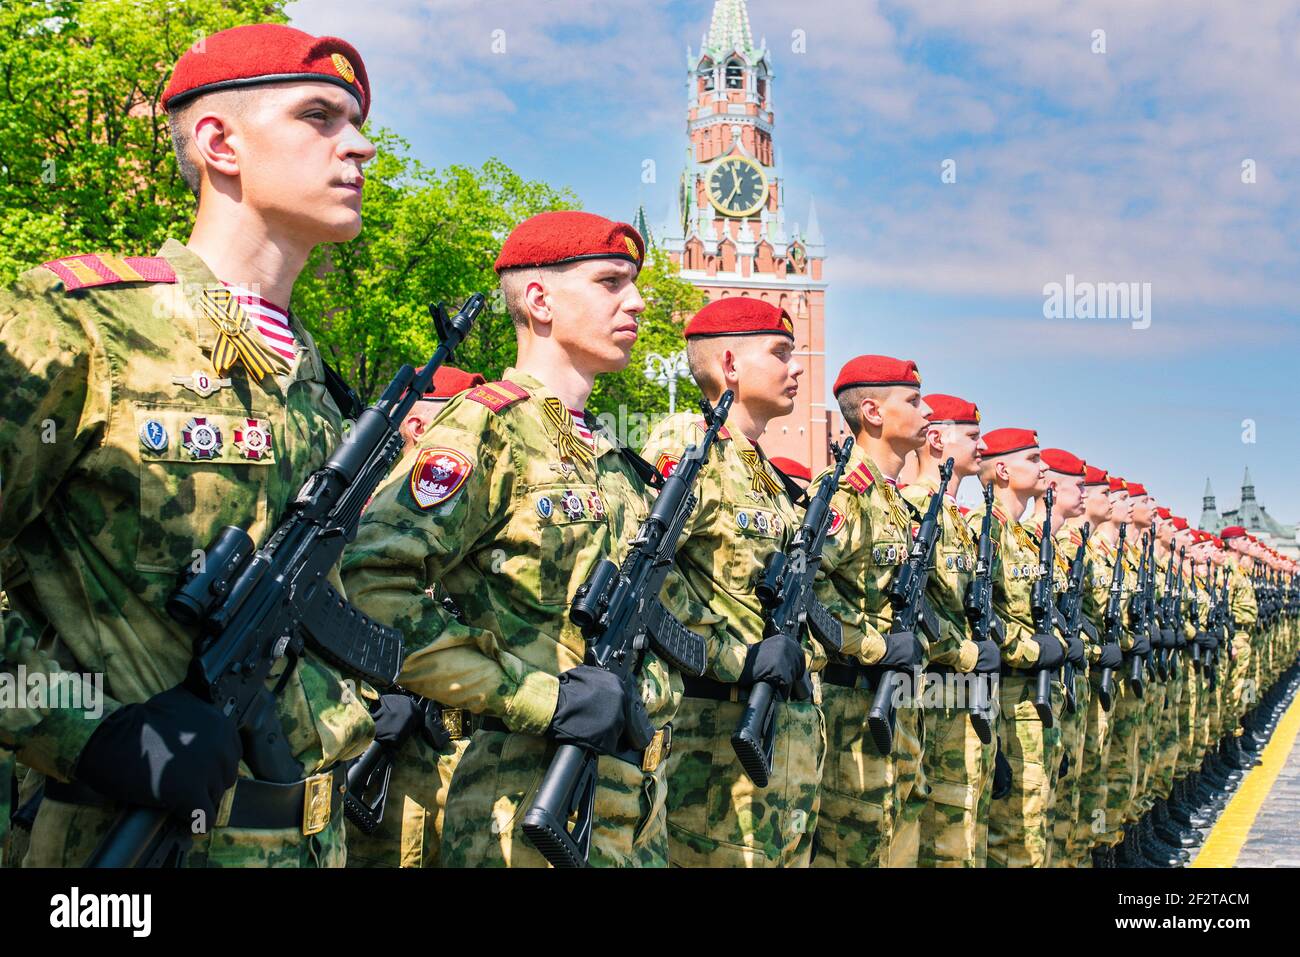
(149, 401)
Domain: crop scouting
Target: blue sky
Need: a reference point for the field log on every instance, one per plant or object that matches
(1115, 166)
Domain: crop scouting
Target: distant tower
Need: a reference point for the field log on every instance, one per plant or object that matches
(728, 232)
(1210, 520)
(1248, 515)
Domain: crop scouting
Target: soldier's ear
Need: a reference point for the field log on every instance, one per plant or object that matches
(211, 140)
(934, 439)
(728, 361)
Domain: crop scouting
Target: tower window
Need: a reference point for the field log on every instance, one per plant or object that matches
(735, 75)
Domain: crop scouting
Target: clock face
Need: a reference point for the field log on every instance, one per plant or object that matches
(737, 186)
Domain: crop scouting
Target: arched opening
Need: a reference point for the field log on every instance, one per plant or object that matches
(735, 75)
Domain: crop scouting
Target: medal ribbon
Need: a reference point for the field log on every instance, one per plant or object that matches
(570, 444)
(235, 342)
(760, 479)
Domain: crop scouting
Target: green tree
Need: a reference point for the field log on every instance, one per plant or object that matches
(85, 157)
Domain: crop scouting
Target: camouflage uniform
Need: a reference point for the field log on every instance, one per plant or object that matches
(1189, 717)
(1068, 795)
(716, 816)
(1124, 768)
(1020, 824)
(870, 803)
(958, 767)
(112, 481)
(1244, 680)
(1156, 692)
(501, 504)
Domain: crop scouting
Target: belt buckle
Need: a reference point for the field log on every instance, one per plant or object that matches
(657, 750)
(453, 720)
(316, 803)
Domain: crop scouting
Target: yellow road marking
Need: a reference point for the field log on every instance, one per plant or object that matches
(1233, 827)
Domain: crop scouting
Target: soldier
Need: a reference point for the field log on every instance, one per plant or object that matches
(424, 740)
(958, 766)
(1020, 832)
(148, 405)
(508, 501)
(871, 803)
(717, 816)
(1245, 674)
(1065, 474)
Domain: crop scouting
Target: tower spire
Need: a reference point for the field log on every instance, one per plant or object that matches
(729, 31)
(1210, 520)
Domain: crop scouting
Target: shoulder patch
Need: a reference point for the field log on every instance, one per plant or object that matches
(666, 463)
(497, 395)
(837, 521)
(703, 426)
(81, 272)
(437, 475)
(860, 479)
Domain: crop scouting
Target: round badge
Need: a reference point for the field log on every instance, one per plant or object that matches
(891, 555)
(544, 506)
(596, 506)
(950, 563)
(253, 439)
(776, 525)
(201, 438)
(760, 520)
(572, 505)
(1015, 571)
(742, 519)
(153, 436)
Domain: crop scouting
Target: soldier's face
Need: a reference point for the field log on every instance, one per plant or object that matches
(1141, 511)
(1097, 505)
(764, 374)
(1122, 507)
(300, 153)
(1027, 471)
(595, 310)
(964, 444)
(903, 418)
(1069, 494)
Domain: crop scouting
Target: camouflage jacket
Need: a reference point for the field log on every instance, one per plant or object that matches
(1241, 596)
(742, 517)
(954, 567)
(122, 453)
(871, 536)
(497, 504)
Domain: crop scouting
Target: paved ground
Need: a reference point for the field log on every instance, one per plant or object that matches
(1274, 839)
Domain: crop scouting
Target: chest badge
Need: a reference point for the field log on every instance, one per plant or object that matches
(201, 383)
(572, 505)
(742, 520)
(545, 506)
(761, 522)
(253, 439)
(153, 436)
(201, 438)
(596, 506)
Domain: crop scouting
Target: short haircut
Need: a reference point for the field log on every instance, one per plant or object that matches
(515, 282)
(851, 400)
(180, 123)
(702, 360)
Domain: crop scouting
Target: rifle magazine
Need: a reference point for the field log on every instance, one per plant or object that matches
(349, 639)
(675, 643)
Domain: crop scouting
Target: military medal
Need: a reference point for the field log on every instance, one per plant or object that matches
(545, 506)
(742, 519)
(201, 383)
(950, 563)
(596, 506)
(564, 468)
(201, 438)
(153, 436)
(253, 439)
(760, 521)
(571, 502)
(891, 554)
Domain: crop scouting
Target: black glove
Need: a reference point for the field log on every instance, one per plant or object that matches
(1141, 645)
(1001, 777)
(778, 660)
(903, 651)
(1050, 653)
(174, 751)
(990, 659)
(1180, 638)
(595, 711)
(1167, 639)
(1207, 641)
(1111, 657)
(397, 717)
(1076, 654)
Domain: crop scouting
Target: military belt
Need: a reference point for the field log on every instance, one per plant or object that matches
(851, 674)
(458, 722)
(713, 690)
(309, 804)
(648, 760)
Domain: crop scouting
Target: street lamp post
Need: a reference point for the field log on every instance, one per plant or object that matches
(666, 370)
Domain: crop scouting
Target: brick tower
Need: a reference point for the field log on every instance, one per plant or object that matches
(727, 227)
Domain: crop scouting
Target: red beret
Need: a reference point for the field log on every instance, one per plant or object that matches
(266, 53)
(568, 236)
(449, 381)
(1232, 531)
(877, 371)
(792, 468)
(1180, 523)
(1006, 441)
(739, 316)
(1218, 542)
(1095, 476)
(1162, 512)
(1117, 484)
(1135, 489)
(950, 409)
(1059, 460)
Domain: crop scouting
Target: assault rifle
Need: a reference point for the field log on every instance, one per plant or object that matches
(250, 607)
(1071, 607)
(984, 621)
(1114, 619)
(786, 594)
(1043, 608)
(621, 617)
